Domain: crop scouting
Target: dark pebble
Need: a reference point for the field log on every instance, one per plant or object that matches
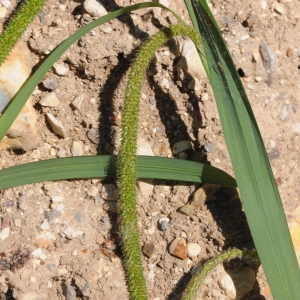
(78, 217)
(9, 203)
(93, 135)
(53, 215)
(149, 249)
(69, 292)
(274, 153)
(50, 84)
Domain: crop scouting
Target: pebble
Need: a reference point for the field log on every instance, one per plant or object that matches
(289, 52)
(50, 100)
(284, 114)
(30, 296)
(78, 217)
(23, 203)
(178, 248)
(278, 8)
(268, 58)
(163, 222)
(93, 191)
(71, 233)
(77, 148)
(181, 146)
(76, 103)
(149, 249)
(109, 191)
(104, 219)
(50, 84)
(61, 69)
(164, 2)
(193, 249)
(61, 152)
(236, 285)
(45, 225)
(4, 233)
(54, 215)
(94, 8)
(189, 61)
(69, 292)
(93, 135)
(183, 155)
(57, 199)
(38, 253)
(13, 73)
(151, 229)
(3, 12)
(209, 147)
(56, 125)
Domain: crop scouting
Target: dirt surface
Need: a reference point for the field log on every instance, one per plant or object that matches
(64, 234)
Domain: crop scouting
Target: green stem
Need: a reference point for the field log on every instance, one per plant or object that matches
(196, 282)
(18, 25)
(127, 176)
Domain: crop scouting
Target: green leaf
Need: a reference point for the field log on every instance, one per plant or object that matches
(104, 166)
(251, 166)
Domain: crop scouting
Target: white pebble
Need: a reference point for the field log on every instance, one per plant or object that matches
(56, 125)
(279, 8)
(50, 100)
(94, 8)
(4, 233)
(77, 148)
(45, 225)
(61, 69)
(193, 249)
(72, 233)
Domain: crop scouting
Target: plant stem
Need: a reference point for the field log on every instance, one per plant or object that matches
(127, 159)
(196, 282)
(18, 25)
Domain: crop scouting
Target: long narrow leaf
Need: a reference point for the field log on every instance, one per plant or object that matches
(104, 166)
(251, 166)
(20, 99)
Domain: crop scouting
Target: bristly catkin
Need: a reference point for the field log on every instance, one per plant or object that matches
(127, 176)
(18, 25)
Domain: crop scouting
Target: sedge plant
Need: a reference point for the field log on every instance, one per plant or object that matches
(254, 176)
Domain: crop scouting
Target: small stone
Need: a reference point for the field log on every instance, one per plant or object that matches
(164, 2)
(54, 215)
(57, 199)
(178, 248)
(78, 217)
(23, 203)
(61, 69)
(268, 58)
(45, 225)
(30, 296)
(236, 285)
(163, 222)
(76, 103)
(144, 148)
(93, 191)
(254, 21)
(38, 253)
(56, 125)
(181, 146)
(71, 233)
(50, 100)
(94, 8)
(77, 148)
(50, 84)
(151, 229)
(69, 292)
(93, 135)
(9, 203)
(18, 222)
(209, 147)
(189, 61)
(278, 8)
(4, 233)
(193, 249)
(149, 249)
(3, 12)
(284, 114)
(61, 152)
(104, 219)
(255, 56)
(289, 52)
(109, 191)
(258, 78)
(111, 206)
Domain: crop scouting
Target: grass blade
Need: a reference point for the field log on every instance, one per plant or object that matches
(104, 166)
(254, 176)
(15, 107)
